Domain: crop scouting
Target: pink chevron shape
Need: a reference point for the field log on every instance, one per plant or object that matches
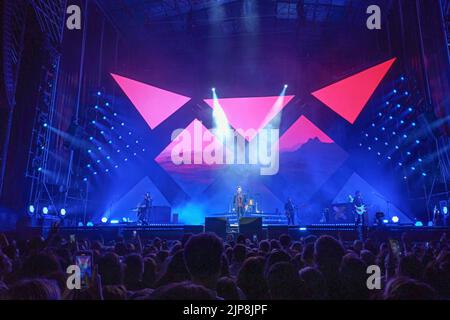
(300, 133)
(154, 104)
(251, 113)
(349, 96)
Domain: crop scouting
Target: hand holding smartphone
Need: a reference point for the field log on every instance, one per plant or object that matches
(84, 260)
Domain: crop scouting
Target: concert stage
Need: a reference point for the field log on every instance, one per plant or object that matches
(347, 232)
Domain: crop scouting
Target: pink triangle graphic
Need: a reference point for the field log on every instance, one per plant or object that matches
(300, 133)
(154, 104)
(251, 113)
(349, 96)
(192, 177)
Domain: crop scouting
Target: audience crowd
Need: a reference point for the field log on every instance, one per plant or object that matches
(203, 267)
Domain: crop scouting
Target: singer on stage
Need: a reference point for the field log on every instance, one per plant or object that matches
(239, 203)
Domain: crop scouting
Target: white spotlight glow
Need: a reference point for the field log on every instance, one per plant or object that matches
(395, 219)
(104, 219)
(45, 210)
(63, 212)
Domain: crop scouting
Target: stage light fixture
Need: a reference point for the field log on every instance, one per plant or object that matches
(45, 210)
(99, 148)
(394, 91)
(402, 78)
(213, 89)
(115, 114)
(89, 224)
(89, 151)
(45, 125)
(385, 221)
(124, 219)
(102, 132)
(93, 122)
(110, 142)
(122, 124)
(31, 209)
(112, 128)
(98, 161)
(104, 220)
(406, 93)
(395, 219)
(96, 107)
(80, 224)
(63, 212)
(418, 224)
(424, 174)
(115, 221)
(107, 104)
(99, 93)
(85, 179)
(285, 86)
(39, 169)
(104, 118)
(417, 141)
(106, 170)
(95, 173)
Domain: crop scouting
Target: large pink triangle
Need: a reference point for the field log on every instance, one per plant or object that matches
(348, 97)
(194, 177)
(154, 104)
(300, 133)
(251, 113)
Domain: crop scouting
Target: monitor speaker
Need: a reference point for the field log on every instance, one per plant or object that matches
(250, 227)
(217, 225)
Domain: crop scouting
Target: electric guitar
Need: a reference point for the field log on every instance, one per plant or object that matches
(360, 210)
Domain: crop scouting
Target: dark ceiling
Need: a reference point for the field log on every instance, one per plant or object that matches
(144, 18)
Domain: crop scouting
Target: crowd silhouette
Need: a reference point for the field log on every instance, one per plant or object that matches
(205, 267)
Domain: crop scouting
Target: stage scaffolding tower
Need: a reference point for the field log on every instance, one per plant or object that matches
(14, 25)
(45, 190)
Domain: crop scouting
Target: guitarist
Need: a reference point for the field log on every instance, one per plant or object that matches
(358, 203)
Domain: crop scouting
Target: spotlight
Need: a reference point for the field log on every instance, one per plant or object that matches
(96, 107)
(394, 91)
(63, 212)
(89, 224)
(285, 86)
(93, 122)
(39, 169)
(99, 93)
(114, 221)
(107, 104)
(395, 219)
(124, 219)
(31, 209)
(45, 210)
(89, 151)
(385, 221)
(80, 224)
(418, 224)
(45, 125)
(213, 89)
(122, 124)
(85, 179)
(104, 220)
(91, 138)
(424, 174)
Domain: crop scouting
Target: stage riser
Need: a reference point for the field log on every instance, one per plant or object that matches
(176, 232)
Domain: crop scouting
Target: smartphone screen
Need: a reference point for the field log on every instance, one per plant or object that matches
(84, 261)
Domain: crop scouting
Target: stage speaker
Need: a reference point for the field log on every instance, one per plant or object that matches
(274, 232)
(160, 214)
(250, 227)
(175, 218)
(218, 225)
